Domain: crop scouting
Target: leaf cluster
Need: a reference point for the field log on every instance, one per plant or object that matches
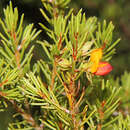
(59, 92)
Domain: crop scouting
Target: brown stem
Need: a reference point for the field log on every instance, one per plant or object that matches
(70, 93)
(101, 115)
(1, 84)
(75, 48)
(70, 88)
(81, 97)
(99, 127)
(60, 42)
(72, 102)
(17, 56)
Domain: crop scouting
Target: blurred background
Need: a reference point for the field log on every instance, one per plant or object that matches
(117, 11)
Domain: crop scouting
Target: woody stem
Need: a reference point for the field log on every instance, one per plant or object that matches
(72, 102)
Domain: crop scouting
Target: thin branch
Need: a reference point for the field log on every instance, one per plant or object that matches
(81, 97)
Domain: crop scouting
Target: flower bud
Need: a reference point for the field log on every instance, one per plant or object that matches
(64, 64)
(86, 48)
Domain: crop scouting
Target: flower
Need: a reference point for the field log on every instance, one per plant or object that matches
(98, 67)
(95, 58)
(104, 68)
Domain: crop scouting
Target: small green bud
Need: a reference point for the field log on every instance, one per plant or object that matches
(84, 66)
(64, 64)
(86, 47)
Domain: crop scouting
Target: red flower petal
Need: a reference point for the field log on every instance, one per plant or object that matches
(104, 68)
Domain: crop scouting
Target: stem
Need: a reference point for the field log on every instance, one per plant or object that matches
(99, 127)
(74, 56)
(72, 86)
(81, 97)
(60, 42)
(101, 115)
(17, 53)
(72, 102)
(17, 56)
(70, 93)
(73, 66)
(53, 74)
(1, 84)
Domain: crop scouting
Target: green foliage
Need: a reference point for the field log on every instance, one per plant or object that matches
(59, 91)
(16, 38)
(122, 123)
(123, 82)
(117, 12)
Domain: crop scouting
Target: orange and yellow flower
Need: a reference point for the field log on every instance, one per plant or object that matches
(98, 67)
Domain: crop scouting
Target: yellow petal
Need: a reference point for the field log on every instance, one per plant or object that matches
(94, 67)
(96, 54)
(95, 58)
